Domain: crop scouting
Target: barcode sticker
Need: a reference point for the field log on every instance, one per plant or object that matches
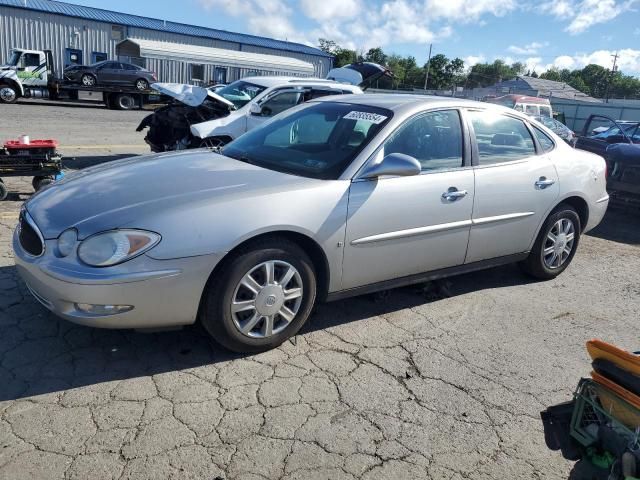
(374, 118)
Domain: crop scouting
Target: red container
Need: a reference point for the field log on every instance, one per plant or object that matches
(16, 145)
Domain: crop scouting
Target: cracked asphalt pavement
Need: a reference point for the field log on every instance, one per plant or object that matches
(442, 382)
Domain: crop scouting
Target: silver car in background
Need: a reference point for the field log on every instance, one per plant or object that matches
(333, 198)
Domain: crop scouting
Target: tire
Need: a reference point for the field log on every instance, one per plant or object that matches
(41, 182)
(88, 80)
(214, 142)
(8, 93)
(564, 223)
(226, 286)
(124, 101)
(141, 84)
(3, 191)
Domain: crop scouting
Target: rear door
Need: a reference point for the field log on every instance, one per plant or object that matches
(109, 73)
(515, 185)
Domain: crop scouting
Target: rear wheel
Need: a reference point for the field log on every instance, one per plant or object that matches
(261, 297)
(556, 244)
(142, 84)
(8, 94)
(3, 190)
(124, 101)
(88, 80)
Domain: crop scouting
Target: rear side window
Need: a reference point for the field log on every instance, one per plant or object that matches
(500, 138)
(543, 139)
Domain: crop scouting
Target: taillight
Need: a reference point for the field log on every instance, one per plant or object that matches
(153, 75)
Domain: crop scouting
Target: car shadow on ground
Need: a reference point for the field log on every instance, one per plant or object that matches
(80, 162)
(42, 354)
(619, 225)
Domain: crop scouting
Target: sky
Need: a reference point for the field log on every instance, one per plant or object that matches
(562, 33)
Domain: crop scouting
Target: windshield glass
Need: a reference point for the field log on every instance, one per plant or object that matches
(317, 140)
(240, 93)
(13, 59)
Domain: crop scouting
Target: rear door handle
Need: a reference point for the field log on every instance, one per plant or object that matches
(454, 194)
(543, 183)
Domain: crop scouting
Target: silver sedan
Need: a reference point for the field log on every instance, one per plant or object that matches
(331, 199)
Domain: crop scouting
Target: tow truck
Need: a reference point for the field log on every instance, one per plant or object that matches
(31, 74)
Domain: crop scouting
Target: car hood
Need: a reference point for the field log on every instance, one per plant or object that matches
(135, 191)
(190, 94)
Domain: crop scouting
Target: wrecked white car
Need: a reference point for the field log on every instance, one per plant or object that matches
(198, 117)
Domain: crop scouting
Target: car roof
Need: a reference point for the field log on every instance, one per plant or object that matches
(398, 102)
(269, 82)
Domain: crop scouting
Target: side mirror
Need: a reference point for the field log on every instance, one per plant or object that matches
(394, 164)
(255, 109)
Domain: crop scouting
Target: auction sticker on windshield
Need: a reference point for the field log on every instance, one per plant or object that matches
(374, 118)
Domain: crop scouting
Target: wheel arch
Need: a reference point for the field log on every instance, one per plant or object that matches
(308, 244)
(577, 202)
(17, 86)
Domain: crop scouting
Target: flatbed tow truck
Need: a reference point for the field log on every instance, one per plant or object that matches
(31, 74)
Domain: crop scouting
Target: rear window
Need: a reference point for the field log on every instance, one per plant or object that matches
(500, 138)
(544, 140)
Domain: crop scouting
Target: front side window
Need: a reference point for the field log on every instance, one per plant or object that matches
(30, 60)
(500, 138)
(317, 140)
(545, 111)
(434, 139)
(280, 102)
(543, 139)
(240, 92)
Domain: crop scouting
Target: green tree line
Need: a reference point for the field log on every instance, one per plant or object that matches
(445, 73)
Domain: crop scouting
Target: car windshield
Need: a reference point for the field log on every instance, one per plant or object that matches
(13, 59)
(317, 140)
(240, 93)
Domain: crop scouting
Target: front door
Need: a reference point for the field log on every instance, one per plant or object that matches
(515, 186)
(401, 226)
(601, 131)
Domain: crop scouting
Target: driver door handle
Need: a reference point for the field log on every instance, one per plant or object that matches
(454, 194)
(543, 183)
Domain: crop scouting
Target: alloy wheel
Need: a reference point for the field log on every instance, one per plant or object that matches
(88, 81)
(267, 299)
(558, 244)
(141, 85)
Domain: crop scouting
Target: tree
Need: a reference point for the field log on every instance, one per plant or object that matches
(376, 55)
(552, 74)
(343, 56)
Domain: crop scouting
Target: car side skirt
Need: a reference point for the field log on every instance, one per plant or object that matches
(426, 276)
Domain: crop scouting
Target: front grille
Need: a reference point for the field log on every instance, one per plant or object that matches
(29, 237)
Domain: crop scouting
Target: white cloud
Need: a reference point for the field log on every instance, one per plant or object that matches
(583, 14)
(472, 60)
(628, 61)
(467, 10)
(264, 17)
(330, 9)
(529, 49)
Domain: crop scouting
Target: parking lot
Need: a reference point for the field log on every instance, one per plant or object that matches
(437, 381)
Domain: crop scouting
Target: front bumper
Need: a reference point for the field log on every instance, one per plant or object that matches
(163, 293)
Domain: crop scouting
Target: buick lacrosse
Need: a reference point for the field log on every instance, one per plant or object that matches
(333, 198)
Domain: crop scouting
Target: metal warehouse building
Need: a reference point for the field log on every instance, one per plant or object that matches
(175, 51)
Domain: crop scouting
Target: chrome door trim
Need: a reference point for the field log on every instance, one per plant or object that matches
(500, 218)
(411, 232)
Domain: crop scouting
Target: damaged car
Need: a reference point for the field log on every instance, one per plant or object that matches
(619, 143)
(243, 105)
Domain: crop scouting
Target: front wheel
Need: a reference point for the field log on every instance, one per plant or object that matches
(8, 94)
(556, 244)
(261, 297)
(88, 80)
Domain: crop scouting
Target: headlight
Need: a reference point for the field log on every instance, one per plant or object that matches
(66, 241)
(116, 246)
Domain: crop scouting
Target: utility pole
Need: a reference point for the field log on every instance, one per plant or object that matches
(613, 72)
(426, 78)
